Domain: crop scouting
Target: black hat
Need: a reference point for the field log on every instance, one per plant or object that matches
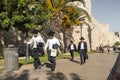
(82, 38)
(35, 31)
(51, 33)
(71, 41)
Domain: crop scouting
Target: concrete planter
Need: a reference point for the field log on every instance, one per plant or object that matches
(11, 59)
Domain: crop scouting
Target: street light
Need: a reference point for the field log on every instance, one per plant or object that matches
(90, 35)
(108, 42)
(81, 26)
(27, 53)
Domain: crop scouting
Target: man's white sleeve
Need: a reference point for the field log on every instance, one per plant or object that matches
(46, 45)
(30, 42)
(58, 42)
(42, 40)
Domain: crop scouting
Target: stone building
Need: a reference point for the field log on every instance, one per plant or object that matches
(117, 34)
(96, 33)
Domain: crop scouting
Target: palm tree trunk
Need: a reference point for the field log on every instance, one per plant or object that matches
(67, 38)
(56, 25)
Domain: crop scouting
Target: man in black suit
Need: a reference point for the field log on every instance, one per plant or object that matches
(72, 48)
(82, 49)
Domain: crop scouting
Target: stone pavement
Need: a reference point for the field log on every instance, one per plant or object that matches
(97, 67)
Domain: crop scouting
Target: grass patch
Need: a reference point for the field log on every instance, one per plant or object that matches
(1, 57)
(92, 52)
(45, 58)
(1, 69)
(24, 62)
(66, 55)
(1, 63)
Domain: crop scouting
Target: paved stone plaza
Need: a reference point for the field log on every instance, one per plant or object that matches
(97, 67)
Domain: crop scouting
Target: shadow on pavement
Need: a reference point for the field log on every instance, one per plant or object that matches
(56, 76)
(75, 76)
(12, 76)
(61, 76)
(23, 76)
(115, 72)
(78, 62)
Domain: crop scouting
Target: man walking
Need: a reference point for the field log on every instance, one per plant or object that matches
(51, 47)
(35, 42)
(82, 49)
(72, 48)
(40, 45)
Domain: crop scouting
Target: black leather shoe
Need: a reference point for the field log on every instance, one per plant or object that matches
(35, 68)
(52, 69)
(39, 67)
(81, 63)
(84, 61)
(71, 59)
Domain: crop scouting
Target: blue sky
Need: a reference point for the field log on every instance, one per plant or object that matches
(107, 11)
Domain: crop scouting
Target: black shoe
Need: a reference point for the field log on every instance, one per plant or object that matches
(52, 69)
(35, 68)
(71, 59)
(81, 63)
(84, 62)
(39, 67)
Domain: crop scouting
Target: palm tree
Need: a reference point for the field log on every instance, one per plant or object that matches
(64, 16)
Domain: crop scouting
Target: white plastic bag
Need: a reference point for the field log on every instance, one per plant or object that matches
(53, 52)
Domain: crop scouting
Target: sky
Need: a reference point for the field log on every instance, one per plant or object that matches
(107, 11)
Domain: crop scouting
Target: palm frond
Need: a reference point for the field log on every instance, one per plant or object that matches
(86, 23)
(82, 1)
(83, 14)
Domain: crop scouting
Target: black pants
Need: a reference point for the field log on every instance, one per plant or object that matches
(101, 50)
(82, 56)
(37, 62)
(41, 50)
(52, 60)
(72, 54)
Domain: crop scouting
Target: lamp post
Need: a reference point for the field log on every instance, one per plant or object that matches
(108, 42)
(90, 36)
(27, 54)
(81, 26)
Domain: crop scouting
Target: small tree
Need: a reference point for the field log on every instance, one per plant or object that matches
(25, 15)
(117, 43)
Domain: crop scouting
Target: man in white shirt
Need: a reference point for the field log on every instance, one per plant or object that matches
(51, 47)
(82, 49)
(34, 42)
(40, 45)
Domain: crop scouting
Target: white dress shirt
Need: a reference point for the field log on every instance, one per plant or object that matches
(40, 39)
(35, 40)
(71, 47)
(50, 43)
(82, 45)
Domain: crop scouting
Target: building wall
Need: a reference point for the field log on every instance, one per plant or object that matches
(96, 34)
